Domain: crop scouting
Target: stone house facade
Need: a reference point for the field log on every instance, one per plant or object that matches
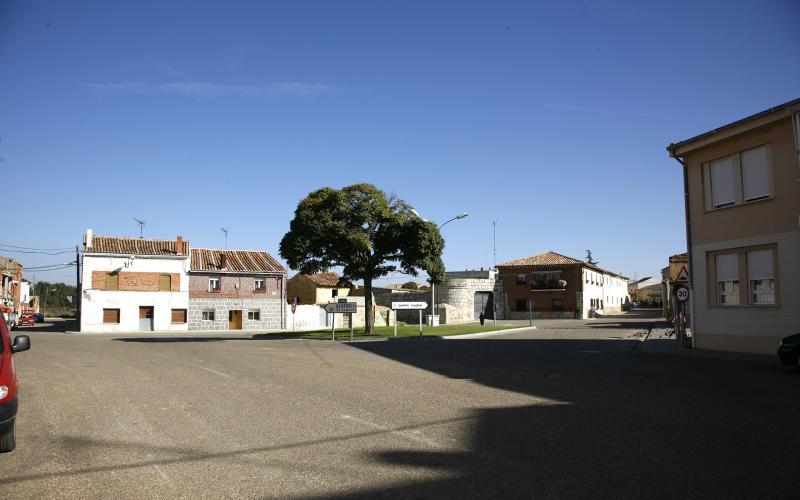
(236, 290)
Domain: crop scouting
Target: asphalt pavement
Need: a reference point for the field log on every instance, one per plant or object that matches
(553, 413)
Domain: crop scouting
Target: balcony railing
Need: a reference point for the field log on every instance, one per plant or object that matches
(548, 285)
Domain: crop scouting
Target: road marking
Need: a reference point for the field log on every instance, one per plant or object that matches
(120, 424)
(161, 472)
(217, 373)
(408, 435)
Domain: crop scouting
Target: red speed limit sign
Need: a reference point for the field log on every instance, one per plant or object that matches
(682, 293)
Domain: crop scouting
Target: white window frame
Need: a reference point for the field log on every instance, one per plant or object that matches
(214, 289)
(206, 313)
(263, 284)
(251, 313)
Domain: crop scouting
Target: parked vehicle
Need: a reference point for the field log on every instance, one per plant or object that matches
(26, 318)
(789, 350)
(8, 384)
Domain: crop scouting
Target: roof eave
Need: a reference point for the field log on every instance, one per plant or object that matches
(734, 129)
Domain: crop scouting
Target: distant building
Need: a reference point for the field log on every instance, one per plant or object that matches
(134, 284)
(743, 230)
(551, 285)
(669, 276)
(318, 288)
(236, 290)
(10, 280)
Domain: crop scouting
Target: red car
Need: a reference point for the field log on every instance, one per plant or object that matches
(8, 384)
(25, 320)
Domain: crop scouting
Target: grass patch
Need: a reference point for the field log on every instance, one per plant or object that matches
(388, 331)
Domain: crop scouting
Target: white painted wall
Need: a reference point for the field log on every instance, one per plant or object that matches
(94, 301)
(611, 289)
(24, 294)
(305, 317)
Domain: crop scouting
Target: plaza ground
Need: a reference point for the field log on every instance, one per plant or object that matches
(572, 411)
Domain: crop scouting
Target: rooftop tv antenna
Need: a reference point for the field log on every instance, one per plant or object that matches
(141, 225)
(225, 230)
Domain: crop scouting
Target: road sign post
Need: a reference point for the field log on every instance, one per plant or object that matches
(409, 306)
(681, 292)
(341, 307)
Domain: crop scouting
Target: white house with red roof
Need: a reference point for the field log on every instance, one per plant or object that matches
(134, 284)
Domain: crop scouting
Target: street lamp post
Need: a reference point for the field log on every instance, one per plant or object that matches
(433, 285)
(46, 290)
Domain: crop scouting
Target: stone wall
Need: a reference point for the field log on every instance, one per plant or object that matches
(270, 313)
(458, 292)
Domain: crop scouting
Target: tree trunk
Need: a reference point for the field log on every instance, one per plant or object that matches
(369, 318)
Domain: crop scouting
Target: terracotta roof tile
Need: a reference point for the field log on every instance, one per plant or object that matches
(134, 246)
(236, 261)
(543, 259)
(553, 259)
(328, 279)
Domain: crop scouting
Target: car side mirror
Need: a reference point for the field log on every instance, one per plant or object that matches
(21, 343)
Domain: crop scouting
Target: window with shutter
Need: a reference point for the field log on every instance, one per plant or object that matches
(722, 183)
(165, 283)
(755, 174)
(112, 281)
(727, 266)
(761, 277)
(111, 316)
(179, 315)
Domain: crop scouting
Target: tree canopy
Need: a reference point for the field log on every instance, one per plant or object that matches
(410, 285)
(364, 232)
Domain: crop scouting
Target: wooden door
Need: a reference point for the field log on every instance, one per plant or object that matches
(235, 320)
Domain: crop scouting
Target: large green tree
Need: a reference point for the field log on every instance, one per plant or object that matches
(366, 233)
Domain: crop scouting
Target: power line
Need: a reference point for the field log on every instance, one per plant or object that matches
(51, 267)
(34, 251)
(33, 248)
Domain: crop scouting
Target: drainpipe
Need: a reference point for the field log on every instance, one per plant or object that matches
(688, 241)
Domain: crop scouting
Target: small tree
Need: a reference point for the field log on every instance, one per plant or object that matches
(589, 259)
(366, 233)
(410, 285)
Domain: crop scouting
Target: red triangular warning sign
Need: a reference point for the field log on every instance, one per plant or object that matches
(683, 275)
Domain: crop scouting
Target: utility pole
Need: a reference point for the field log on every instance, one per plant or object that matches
(78, 292)
(494, 243)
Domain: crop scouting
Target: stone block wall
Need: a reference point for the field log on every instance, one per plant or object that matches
(458, 292)
(271, 310)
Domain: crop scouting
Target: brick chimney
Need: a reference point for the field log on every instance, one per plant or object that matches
(223, 261)
(179, 245)
(87, 240)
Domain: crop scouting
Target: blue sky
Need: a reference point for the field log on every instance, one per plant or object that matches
(551, 118)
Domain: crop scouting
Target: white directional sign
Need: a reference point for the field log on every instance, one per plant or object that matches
(409, 305)
(682, 293)
(342, 307)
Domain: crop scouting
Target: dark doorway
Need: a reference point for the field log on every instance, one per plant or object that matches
(484, 303)
(146, 318)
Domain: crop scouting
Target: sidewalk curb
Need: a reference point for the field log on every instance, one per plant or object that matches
(478, 335)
